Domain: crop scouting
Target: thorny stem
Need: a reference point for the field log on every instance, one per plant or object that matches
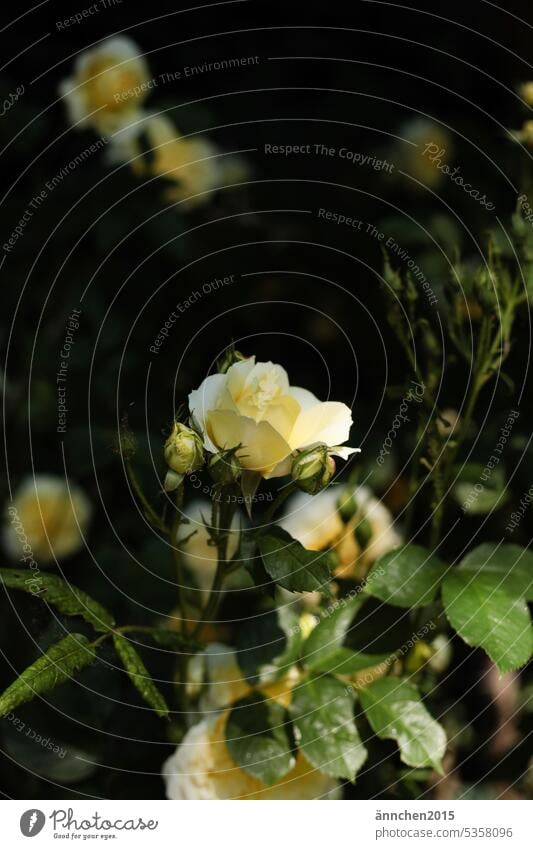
(181, 658)
(413, 479)
(222, 517)
(485, 365)
(177, 555)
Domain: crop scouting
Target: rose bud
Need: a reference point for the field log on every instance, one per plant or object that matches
(230, 357)
(184, 451)
(313, 469)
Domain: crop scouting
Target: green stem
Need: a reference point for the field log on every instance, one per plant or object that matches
(181, 688)
(483, 370)
(223, 512)
(413, 479)
(177, 555)
(278, 501)
(148, 509)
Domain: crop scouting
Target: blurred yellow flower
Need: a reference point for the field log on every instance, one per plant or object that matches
(525, 135)
(352, 522)
(47, 519)
(526, 92)
(226, 683)
(222, 673)
(194, 166)
(202, 768)
(425, 146)
(253, 407)
(109, 84)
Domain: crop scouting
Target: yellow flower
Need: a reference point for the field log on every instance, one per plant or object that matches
(526, 92)
(109, 84)
(194, 166)
(226, 683)
(253, 407)
(47, 519)
(525, 135)
(426, 145)
(317, 522)
(202, 768)
(197, 550)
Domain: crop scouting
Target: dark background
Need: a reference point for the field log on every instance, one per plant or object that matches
(313, 301)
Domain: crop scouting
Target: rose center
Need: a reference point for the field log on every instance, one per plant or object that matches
(264, 392)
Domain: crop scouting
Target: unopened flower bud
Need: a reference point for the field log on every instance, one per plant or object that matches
(313, 469)
(230, 357)
(418, 657)
(363, 532)
(484, 289)
(347, 505)
(184, 451)
(225, 467)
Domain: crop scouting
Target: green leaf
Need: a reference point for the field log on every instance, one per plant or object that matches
(487, 613)
(291, 565)
(67, 598)
(54, 667)
(406, 577)
(322, 712)
(394, 711)
(323, 650)
(139, 675)
(259, 738)
(512, 564)
(345, 661)
(269, 645)
(476, 495)
(173, 640)
(325, 640)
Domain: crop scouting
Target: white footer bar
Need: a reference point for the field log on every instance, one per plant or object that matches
(268, 825)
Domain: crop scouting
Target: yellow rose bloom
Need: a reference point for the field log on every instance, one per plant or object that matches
(193, 166)
(317, 522)
(253, 407)
(109, 84)
(202, 768)
(48, 515)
